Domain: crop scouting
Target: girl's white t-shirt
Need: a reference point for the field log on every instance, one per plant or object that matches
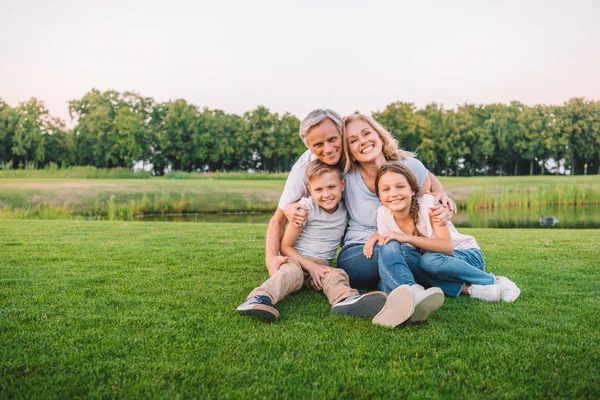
(386, 222)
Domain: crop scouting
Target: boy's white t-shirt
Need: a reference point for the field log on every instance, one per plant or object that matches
(322, 231)
(296, 185)
(386, 222)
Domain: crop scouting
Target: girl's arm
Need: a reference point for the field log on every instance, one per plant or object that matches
(442, 243)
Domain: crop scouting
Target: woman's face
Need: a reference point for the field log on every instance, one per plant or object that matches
(395, 192)
(364, 143)
(325, 142)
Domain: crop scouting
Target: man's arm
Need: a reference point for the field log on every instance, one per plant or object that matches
(273, 242)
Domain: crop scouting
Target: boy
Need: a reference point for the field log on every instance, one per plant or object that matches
(310, 248)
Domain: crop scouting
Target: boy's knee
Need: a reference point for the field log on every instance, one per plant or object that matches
(336, 274)
(293, 269)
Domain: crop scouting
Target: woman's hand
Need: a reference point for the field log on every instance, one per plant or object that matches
(439, 214)
(443, 199)
(369, 245)
(317, 274)
(296, 213)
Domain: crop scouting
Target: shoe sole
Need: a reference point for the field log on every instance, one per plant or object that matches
(510, 295)
(399, 306)
(265, 313)
(426, 307)
(368, 305)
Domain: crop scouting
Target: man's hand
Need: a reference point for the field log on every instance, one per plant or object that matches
(369, 245)
(296, 213)
(439, 215)
(317, 274)
(274, 263)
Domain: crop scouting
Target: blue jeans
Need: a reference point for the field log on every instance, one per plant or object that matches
(392, 265)
(464, 266)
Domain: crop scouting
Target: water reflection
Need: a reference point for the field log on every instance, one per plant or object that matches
(564, 218)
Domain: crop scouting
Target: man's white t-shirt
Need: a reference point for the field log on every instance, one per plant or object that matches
(296, 186)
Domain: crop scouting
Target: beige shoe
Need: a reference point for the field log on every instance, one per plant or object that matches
(399, 306)
(426, 302)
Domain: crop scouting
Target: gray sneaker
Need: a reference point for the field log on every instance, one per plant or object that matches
(361, 305)
(259, 307)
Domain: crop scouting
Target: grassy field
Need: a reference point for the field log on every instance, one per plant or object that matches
(122, 199)
(122, 310)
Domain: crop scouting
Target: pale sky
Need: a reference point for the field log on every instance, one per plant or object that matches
(299, 55)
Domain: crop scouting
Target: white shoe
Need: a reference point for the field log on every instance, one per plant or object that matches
(426, 302)
(485, 292)
(399, 306)
(510, 291)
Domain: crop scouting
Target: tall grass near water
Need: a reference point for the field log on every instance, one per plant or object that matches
(518, 196)
(124, 208)
(54, 172)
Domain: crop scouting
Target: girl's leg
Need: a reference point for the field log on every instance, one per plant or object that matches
(422, 277)
(464, 266)
(393, 266)
(362, 271)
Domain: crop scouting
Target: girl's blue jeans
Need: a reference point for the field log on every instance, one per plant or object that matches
(392, 265)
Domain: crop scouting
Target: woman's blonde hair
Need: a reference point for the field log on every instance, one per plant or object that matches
(391, 151)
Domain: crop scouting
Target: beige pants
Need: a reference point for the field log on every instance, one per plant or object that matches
(290, 277)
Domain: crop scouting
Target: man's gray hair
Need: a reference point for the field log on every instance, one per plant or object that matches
(315, 117)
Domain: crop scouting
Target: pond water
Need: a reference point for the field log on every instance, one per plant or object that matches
(564, 218)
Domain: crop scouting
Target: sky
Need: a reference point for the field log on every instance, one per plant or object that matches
(295, 56)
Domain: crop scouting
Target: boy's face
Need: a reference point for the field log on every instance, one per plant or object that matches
(327, 190)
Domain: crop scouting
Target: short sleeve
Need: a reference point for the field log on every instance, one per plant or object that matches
(417, 168)
(296, 184)
(310, 204)
(383, 223)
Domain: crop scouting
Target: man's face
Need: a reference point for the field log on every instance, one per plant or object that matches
(325, 142)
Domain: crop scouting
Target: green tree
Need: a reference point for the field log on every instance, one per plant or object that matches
(28, 141)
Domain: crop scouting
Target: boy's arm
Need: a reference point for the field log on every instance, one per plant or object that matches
(316, 271)
(272, 243)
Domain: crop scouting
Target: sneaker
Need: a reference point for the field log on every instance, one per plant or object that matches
(510, 291)
(399, 306)
(485, 292)
(426, 302)
(361, 305)
(259, 307)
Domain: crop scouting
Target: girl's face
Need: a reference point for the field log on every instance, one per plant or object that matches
(364, 143)
(394, 192)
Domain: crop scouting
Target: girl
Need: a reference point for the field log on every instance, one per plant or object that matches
(446, 254)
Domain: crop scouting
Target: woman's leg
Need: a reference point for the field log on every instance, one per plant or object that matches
(362, 271)
(464, 266)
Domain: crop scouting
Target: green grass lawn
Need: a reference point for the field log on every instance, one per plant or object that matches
(123, 310)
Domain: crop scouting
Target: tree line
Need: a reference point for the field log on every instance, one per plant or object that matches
(114, 129)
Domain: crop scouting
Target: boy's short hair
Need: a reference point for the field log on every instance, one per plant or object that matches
(316, 168)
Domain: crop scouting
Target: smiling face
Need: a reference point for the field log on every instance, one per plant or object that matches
(327, 190)
(325, 142)
(395, 192)
(364, 143)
